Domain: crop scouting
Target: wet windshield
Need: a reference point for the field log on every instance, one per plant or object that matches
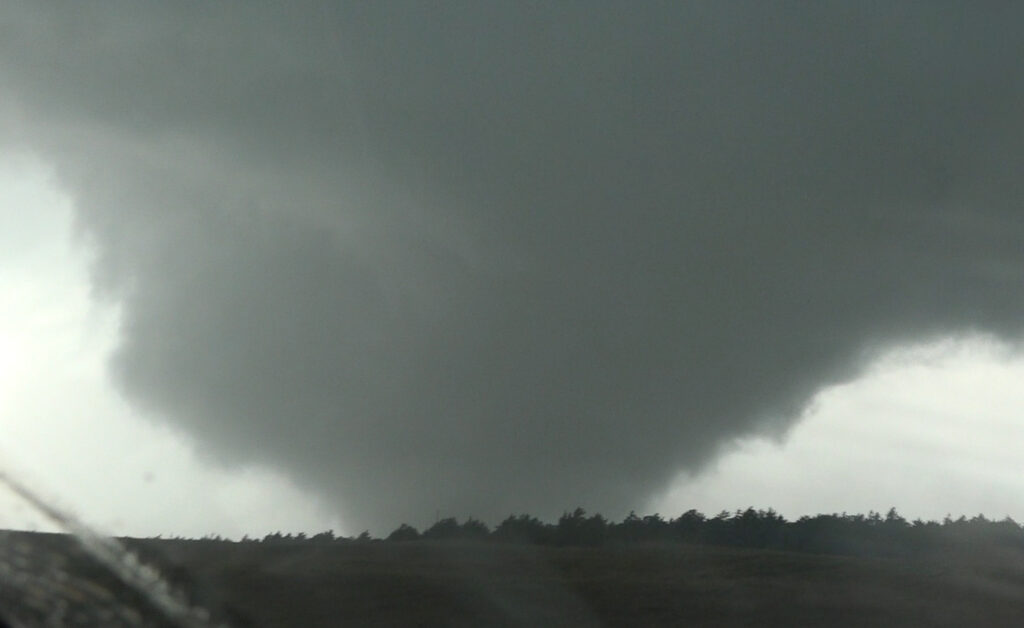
(278, 279)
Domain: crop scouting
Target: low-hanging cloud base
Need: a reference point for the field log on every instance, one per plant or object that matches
(481, 260)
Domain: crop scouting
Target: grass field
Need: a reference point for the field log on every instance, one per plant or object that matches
(466, 584)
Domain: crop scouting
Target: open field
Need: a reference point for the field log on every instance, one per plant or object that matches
(426, 583)
(466, 584)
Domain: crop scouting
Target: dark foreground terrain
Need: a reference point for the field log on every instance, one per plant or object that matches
(426, 583)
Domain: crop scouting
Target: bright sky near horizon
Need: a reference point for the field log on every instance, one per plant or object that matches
(63, 427)
(931, 430)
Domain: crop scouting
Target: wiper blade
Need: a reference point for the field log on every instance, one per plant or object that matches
(82, 578)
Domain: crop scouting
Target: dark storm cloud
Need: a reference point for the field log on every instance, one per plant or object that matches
(482, 258)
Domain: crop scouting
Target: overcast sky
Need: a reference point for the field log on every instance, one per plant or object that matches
(367, 264)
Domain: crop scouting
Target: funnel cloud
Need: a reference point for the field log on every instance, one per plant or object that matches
(483, 258)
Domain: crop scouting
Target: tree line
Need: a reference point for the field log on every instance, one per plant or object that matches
(873, 534)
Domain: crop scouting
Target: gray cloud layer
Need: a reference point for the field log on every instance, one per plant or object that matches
(483, 258)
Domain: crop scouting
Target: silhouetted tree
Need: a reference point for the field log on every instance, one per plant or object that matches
(474, 529)
(404, 532)
(577, 529)
(687, 526)
(867, 535)
(327, 536)
(630, 530)
(523, 529)
(444, 529)
(757, 528)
